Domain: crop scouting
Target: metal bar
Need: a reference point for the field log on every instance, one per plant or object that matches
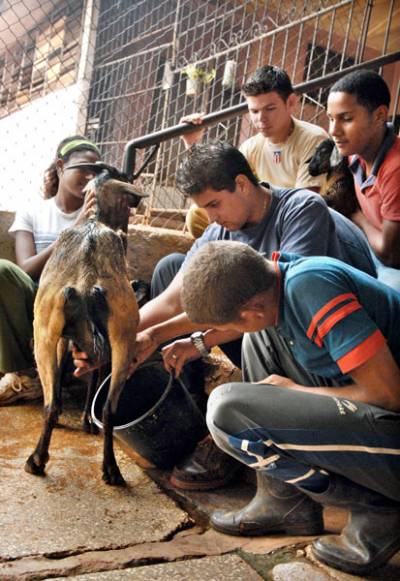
(347, 36)
(241, 108)
(135, 55)
(364, 31)
(274, 32)
(388, 24)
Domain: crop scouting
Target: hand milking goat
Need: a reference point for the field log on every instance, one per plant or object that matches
(85, 296)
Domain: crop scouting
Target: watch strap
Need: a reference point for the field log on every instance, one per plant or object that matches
(198, 341)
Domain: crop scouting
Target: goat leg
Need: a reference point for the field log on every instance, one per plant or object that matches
(111, 473)
(38, 459)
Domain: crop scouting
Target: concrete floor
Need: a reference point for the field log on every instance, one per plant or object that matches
(70, 524)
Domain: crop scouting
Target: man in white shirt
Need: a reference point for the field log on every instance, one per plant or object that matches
(280, 152)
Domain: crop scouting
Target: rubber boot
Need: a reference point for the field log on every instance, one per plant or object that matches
(372, 534)
(277, 507)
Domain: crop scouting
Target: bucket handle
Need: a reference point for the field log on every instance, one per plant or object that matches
(149, 412)
(188, 396)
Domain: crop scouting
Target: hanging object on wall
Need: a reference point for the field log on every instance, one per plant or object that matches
(228, 80)
(196, 77)
(168, 76)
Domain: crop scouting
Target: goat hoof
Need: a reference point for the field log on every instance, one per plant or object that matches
(89, 426)
(33, 468)
(113, 477)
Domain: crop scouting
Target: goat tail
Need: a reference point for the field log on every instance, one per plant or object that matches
(90, 308)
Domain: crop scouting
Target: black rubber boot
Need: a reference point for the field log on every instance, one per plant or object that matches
(276, 508)
(372, 534)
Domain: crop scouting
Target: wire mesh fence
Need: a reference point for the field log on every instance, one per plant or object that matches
(118, 69)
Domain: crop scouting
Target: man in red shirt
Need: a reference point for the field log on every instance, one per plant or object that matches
(358, 107)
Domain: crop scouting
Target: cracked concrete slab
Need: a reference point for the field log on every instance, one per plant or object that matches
(228, 568)
(72, 509)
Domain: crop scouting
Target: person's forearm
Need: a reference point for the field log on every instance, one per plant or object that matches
(157, 311)
(180, 325)
(352, 392)
(373, 235)
(163, 307)
(385, 248)
(213, 337)
(175, 327)
(33, 265)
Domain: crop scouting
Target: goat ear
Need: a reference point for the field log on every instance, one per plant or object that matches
(335, 157)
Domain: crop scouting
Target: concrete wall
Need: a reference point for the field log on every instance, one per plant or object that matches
(29, 140)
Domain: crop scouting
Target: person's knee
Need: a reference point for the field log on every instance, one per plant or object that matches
(222, 404)
(6, 267)
(165, 271)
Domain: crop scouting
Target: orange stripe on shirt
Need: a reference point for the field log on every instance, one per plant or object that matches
(319, 314)
(337, 316)
(362, 352)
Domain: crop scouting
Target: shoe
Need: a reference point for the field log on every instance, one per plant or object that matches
(277, 507)
(205, 469)
(372, 534)
(15, 387)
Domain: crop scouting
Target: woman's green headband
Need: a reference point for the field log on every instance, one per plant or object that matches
(68, 147)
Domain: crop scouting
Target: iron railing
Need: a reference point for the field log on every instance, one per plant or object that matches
(154, 139)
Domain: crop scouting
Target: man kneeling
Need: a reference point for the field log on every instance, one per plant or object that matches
(338, 444)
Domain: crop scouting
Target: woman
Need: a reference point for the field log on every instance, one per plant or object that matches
(36, 229)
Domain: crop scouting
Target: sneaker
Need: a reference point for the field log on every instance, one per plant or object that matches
(205, 469)
(14, 387)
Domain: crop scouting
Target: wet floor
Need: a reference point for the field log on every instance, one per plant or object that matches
(71, 524)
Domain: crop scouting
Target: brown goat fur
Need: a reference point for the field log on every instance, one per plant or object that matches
(85, 296)
(338, 189)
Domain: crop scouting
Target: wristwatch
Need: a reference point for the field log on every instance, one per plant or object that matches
(197, 338)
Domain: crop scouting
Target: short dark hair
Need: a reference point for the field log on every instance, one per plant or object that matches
(220, 278)
(212, 165)
(369, 88)
(266, 79)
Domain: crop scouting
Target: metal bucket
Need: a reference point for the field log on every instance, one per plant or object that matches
(158, 416)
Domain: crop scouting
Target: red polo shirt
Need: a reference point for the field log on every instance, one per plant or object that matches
(379, 194)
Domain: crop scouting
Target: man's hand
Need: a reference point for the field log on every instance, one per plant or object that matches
(146, 344)
(195, 136)
(177, 354)
(88, 207)
(279, 381)
(81, 362)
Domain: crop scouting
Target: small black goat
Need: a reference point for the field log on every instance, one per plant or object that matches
(338, 190)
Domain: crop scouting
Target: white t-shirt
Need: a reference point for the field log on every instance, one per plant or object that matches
(44, 220)
(285, 164)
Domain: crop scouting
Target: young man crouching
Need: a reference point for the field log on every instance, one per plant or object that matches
(337, 444)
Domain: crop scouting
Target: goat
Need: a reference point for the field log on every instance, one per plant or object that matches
(338, 190)
(85, 296)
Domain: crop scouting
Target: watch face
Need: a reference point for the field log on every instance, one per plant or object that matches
(197, 335)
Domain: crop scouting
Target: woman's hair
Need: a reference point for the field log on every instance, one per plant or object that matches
(220, 278)
(65, 149)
